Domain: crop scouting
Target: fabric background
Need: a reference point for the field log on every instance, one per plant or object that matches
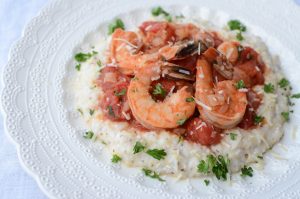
(14, 181)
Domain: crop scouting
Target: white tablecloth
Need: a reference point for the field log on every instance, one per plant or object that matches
(15, 183)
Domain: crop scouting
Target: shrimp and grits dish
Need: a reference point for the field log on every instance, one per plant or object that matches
(180, 98)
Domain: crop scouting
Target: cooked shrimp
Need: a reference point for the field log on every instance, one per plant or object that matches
(230, 50)
(124, 50)
(222, 104)
(168, 113)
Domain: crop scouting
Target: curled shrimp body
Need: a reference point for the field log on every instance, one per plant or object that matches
(124, 49)
(154, 114)
(221, 104)
(230, 50)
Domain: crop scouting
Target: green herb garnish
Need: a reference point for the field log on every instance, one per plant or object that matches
(99, 63)
(237, 25)
(78, 66)
(80, 111)
(160, 11)
(157, 153)
(269, 88)
(138, 147)
(190, 99)
(111, 111)
(233, 136)
(118, 23)
(82, 57)
(240, 84)
(258, 119)
(286, 116)
(91, 112)
(88, 135)
(181, 122)
(246, 171)
(206, 182)
(152, 174)
(260, 157)
(121, 93)
(217, 165)
(158, 90)
(283, 83)
(297, 96)
(115, 158)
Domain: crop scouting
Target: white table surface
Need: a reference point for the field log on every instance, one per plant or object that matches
(14, 181)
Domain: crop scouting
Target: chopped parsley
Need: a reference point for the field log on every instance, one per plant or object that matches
(190, 99)
(237, 25)
(260, 157)
(246, 171)
(121, 93)
(157, 153)
(158, 90)
(118, 23)
(160, 11)
(181, 16)
(181, 121)
(297, 96)
(240, 84)
(269, 88)
(258, 119)
(286, 116)
(88, 135)
(111, 111)
(239, 36)
(206, 182)
(233, 136)
(92, 112)
(216, 165)
(99, 63)
(180, 139)
(82, 57)
(78, 66)
(80, 111)
(152, 174)
(138, 147)
(116, 158)
(283, 83)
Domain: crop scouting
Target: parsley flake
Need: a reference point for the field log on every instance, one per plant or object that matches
(80, 111)
(121, 93)
(158, 90)
(297, 96)
(118, 23)
(160, 11)
(239, 36)
(283, 83)
(240, 84)
(269, 88)
(92, 112)
(260, 157)
(206, 182)
(157, 153)
(258, 119)
(111, 111)
(78, 66)
(217, 165)
(115, 158)
(236, 25)
(286, 116)
(99, 63)
(246, 171)
(138, 147)
(82, 57)
(88, 135)
(152, 174)
(233, 136)
(190, 99)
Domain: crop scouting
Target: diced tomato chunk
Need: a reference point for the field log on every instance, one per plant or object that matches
(202, 132)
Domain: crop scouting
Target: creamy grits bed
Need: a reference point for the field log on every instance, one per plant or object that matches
(181, 97)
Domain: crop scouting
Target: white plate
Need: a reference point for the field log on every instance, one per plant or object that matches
(53, 151)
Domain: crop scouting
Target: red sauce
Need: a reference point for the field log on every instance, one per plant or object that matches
(202, 132)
